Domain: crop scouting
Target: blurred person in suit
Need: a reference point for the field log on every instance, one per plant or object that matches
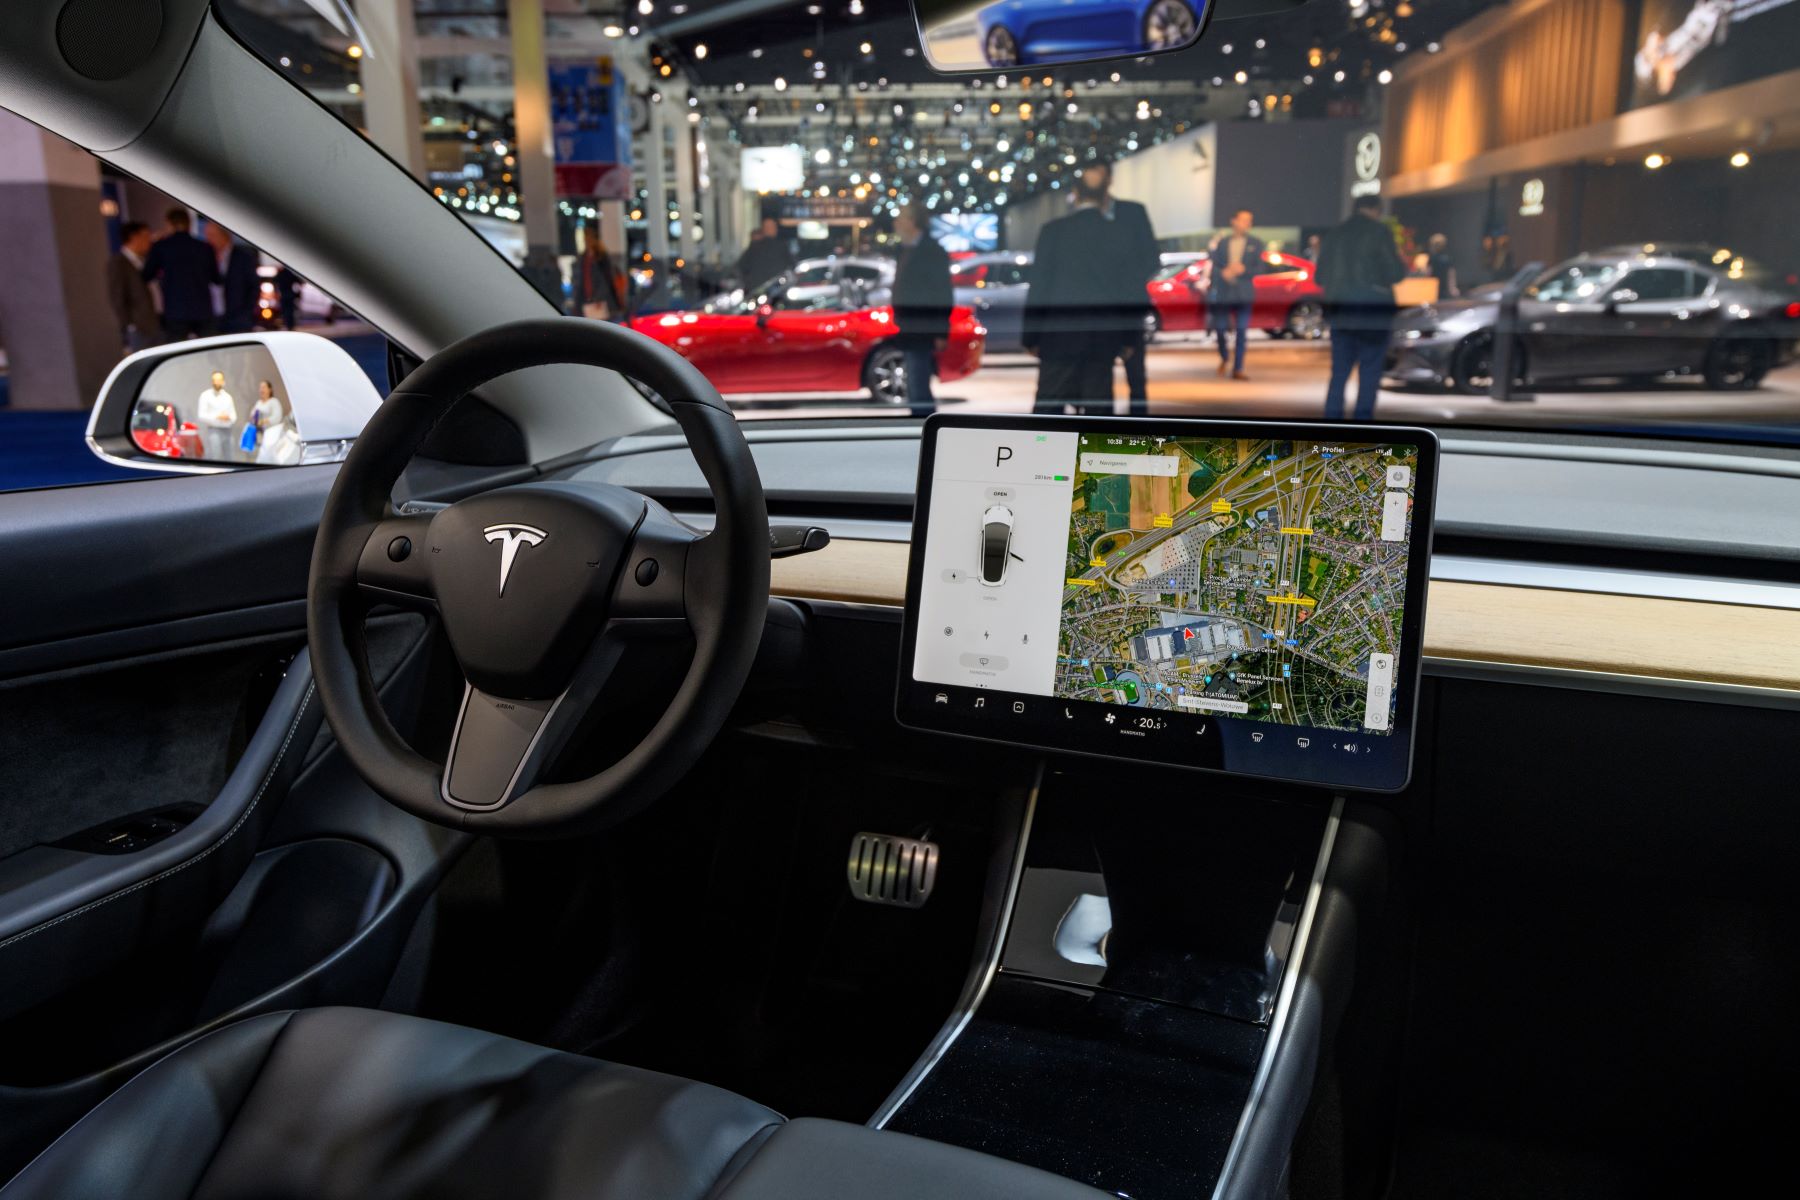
(1237, 259)
(238, 283)
(922, 302)
(1086, 304)
(186, 269)
(1358, 269)
(140, 325)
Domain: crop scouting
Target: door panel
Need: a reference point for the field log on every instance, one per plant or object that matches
(156, 708)
(108, 571)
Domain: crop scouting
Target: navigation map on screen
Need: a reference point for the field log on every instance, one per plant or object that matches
(1261, 579)
(1257, 579)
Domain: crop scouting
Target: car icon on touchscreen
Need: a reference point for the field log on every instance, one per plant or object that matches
(996, 544)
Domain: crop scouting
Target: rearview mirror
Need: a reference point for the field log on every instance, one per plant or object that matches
(1001, 35)
(219, 403)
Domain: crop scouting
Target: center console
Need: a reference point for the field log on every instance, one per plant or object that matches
(1236, 610)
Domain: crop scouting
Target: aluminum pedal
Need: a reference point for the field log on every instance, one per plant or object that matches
(892, 870)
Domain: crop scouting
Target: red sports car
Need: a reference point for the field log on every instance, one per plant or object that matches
(156, 429)
(1288, 302)
(759, 344)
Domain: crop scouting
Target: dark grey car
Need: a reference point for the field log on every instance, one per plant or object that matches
(1619, 314)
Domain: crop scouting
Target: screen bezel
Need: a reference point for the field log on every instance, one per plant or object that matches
(1383, 764)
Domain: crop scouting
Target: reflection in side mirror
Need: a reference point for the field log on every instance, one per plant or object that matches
(763, 312)
(256, 399)
(998, 35)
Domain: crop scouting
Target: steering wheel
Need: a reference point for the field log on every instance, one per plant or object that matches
(540, 587)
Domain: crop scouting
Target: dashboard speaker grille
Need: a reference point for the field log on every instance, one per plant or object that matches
(105, 40)
(892, 870)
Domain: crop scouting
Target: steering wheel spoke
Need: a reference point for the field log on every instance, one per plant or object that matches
(502, 746)
(394, 567)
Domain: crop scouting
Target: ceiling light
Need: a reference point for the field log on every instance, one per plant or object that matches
(1242, 77)
(1740, 159)
(821, 156)
(780, 84)
(354, 50)
(645, 7)
(867, 48)
(1385, 77)
(699, 50)
(1655, 162)
(613, 31)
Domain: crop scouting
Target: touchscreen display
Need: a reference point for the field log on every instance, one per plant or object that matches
(1242, 597)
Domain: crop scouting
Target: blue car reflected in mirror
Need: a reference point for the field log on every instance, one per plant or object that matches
(959, 36)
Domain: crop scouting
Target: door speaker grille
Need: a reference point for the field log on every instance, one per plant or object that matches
(892, 870)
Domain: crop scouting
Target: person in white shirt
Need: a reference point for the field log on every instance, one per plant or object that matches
(218, 414)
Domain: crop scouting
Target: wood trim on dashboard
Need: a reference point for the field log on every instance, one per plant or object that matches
(1688, 640)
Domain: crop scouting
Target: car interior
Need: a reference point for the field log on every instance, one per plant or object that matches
(550, 783)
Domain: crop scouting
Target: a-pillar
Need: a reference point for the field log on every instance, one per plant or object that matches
(56, 327)
(534, 145)
(390, 81)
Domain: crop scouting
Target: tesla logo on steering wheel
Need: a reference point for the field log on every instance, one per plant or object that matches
(511, 537)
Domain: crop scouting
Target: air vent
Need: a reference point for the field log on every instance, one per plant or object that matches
(892, 870)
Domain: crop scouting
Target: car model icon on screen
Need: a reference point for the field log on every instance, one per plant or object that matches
(996, 544)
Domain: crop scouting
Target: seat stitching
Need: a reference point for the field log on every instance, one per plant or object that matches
(268, 778)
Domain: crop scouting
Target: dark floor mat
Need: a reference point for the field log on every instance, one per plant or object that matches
(770, 979)
(715, 936)
(1597, 1041)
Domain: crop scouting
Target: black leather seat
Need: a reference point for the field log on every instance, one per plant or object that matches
(340, 1102)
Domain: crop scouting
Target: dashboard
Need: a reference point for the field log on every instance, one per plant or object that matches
(1240, 597)
(1601, 563)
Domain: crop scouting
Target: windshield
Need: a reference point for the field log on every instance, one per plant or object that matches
(1366, 177)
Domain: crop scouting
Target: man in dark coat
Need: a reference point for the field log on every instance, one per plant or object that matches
(1358, 268)
(765, 257)
(1237, 259)
(185, 268)
(923, 299)
(287, 293)
(126, 291)
(237, 278)
(1086, 303)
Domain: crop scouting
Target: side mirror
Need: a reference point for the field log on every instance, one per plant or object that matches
(763, 312)
(1614, 299)
(218, 403)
